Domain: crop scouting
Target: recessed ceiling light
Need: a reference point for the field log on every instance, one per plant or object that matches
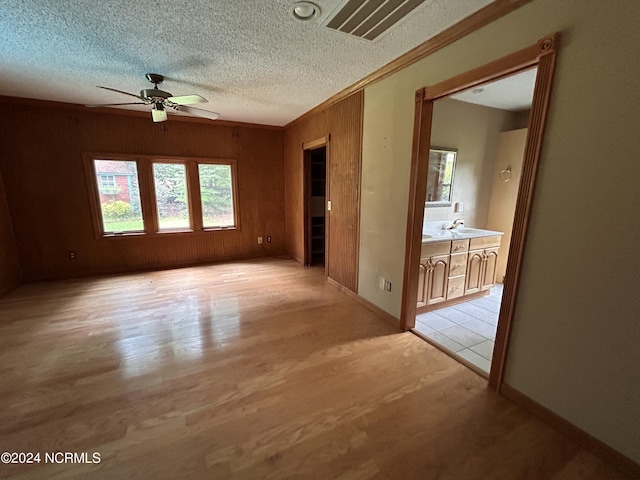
(304, 11)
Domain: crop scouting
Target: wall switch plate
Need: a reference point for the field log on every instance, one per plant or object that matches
(259, 240)
(459, 208)
(329, 206)
(387, 285)
(381, 283)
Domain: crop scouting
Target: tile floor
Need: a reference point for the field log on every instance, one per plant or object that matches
(467, 329)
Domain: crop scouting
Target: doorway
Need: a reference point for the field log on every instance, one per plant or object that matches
(482, 131)
(541, 55)
(315, 229)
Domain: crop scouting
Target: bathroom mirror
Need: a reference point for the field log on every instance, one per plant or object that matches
(442, 166)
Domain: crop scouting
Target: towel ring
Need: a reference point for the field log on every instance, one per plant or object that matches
(505, 174)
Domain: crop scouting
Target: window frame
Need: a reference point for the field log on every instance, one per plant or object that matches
(234, 194)
(188, 187)
(146, 183)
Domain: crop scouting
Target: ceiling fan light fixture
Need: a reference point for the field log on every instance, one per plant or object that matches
(304, 11)
(158, 113)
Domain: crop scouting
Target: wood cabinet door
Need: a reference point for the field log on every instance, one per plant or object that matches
(490, 268)
(474, 272)
(437, 279)
(455, 287)
(422, 282)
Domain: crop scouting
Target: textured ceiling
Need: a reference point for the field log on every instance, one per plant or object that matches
(248, 57)
(514, 93)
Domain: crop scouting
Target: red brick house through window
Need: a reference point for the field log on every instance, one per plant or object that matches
(115, 181)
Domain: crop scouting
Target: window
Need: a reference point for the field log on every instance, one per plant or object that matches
(216, 196)
(119, 196)
(108, 184)
(172, 203)
(146, 195)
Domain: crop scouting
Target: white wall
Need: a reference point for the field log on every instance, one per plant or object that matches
(504, 191)
(473, 130)
(575, 343)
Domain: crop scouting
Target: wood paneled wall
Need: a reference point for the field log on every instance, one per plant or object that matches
(9, 264)
(345, 152)
(48, 199)
(342, 123)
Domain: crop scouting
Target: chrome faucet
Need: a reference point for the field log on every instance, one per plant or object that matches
(456, 223)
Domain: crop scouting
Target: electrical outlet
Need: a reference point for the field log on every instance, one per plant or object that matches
(259, 240)
(387, 285)
(268, 238)
(381, 283)
(72, 255)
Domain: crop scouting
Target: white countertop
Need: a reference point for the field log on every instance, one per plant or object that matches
(460, 233)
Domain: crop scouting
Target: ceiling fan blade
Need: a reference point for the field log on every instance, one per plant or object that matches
(198, 112)
(187, 99)
(114, 104)
(120, 91)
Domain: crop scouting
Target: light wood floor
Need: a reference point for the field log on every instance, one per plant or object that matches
(251, 370)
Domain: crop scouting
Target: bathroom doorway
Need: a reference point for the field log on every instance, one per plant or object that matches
(541, 55)
(469, 212)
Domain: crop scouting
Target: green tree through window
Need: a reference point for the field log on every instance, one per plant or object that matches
(171, 195)
(216, 192)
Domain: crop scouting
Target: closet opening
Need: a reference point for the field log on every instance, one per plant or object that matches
(315, 166)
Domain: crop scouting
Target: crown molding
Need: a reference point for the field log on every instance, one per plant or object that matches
(464, 27)
(32, 102)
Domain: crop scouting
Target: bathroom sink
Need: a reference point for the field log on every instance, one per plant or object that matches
(455, 234)
(435, 234)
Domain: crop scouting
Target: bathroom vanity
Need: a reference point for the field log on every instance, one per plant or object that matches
(456, 265)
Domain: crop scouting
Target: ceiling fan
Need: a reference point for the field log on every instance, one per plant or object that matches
(162, 101)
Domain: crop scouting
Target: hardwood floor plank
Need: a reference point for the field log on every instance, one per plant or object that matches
(252, 369)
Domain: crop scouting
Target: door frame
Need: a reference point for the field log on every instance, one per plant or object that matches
(306, 196)
(543, 55)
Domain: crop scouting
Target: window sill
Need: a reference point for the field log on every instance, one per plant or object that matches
(166, 232)
(217, 229)
(121, 234)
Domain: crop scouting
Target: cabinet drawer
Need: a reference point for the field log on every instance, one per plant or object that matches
(455, 287)
(437, 248)
(482, 242)
(458, 264)
(458, 246)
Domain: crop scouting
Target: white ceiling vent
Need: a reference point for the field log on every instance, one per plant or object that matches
(370, 18)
